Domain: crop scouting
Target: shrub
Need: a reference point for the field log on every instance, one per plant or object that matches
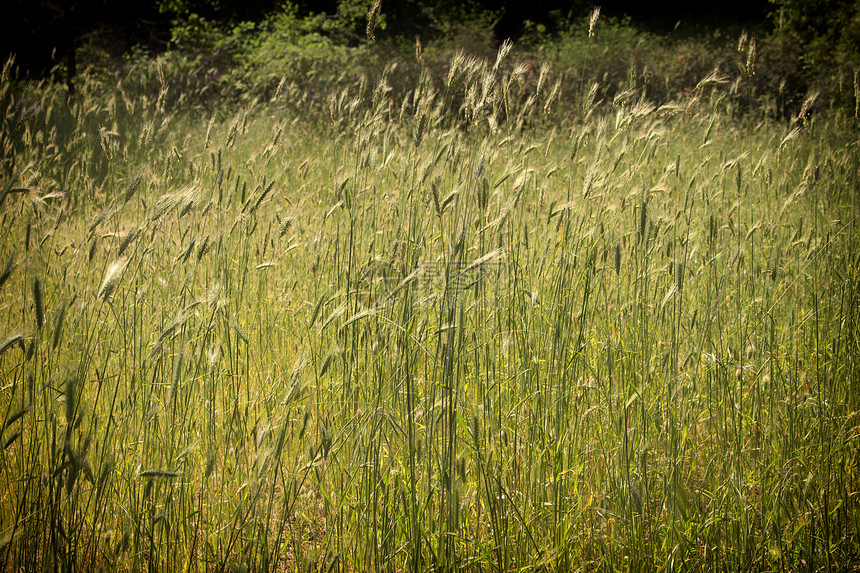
(815, 45)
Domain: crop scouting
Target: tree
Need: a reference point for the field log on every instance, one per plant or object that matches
(816, 44)
(46, 35)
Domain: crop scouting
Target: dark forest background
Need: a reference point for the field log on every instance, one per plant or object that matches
(42, 32)
(802, 45)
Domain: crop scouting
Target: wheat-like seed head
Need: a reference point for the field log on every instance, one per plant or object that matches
(808, 102)
(111, 278)
(714, 78)
(751, 53)
(458, 60)
(39, 303)
(504, 50)
(373, 19)
(592, 21)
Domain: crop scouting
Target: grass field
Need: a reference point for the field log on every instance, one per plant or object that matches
(453, 331)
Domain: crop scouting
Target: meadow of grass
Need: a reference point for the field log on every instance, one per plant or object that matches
(453, 331)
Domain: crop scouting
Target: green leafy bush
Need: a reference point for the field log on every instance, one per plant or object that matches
(621, 58)
(815, 45)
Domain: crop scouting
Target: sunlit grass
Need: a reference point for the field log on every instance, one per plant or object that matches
(445, 332)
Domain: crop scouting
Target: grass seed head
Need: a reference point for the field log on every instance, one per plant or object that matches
(7, 270)
(856, 94)
(71, 396)
(39, 303)
(592, 21)
(504, 50)
(373, 19)
(111, 278)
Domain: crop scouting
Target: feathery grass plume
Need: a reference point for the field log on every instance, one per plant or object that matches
(187, 197)
(105, 214)
(285, 227)
(266, 190)
(592, 20)
(39, 303)
(239, 331)
(186, 253)
(204, 248)
(456, 63)
(518, 72)
(434, 192)
(504, 50)
(790, 136)
(130, 236)
(742, 42)
(588, 101)
(713, 79)
(751, 54)
(447, 201)
(487, 84)
(321, 300)
(490, 257)
(108, 144)
(553, 95)
(177, 323)
(208, 140)
(542, 75)
(373, 20)
(419, 50)
(111, 278)
(213, 355)
(332, 355)
(808, 102)
(7, 270)
(132, 188)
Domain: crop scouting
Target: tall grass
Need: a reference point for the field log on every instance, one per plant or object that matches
(442, 332)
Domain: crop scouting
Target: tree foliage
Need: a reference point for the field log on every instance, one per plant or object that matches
(811, 44)
(815, 44)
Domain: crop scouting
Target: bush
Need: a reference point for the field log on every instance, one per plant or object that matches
(815, 45)
(621, 58)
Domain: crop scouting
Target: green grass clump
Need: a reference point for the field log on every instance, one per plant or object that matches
(447, 331)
